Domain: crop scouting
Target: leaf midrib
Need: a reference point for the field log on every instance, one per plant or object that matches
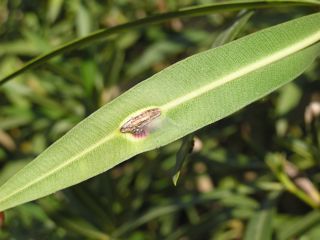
(245, 70)
(168, 106)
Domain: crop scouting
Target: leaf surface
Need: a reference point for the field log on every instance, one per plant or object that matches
(190, 94)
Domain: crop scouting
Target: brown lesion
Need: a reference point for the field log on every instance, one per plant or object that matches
(137, 125)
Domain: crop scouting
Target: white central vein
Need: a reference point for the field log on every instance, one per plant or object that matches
(245, 70)
(202, 90)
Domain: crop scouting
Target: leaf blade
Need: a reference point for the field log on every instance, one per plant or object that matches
(228, 77)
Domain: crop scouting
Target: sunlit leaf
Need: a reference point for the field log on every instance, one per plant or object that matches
(177, 101)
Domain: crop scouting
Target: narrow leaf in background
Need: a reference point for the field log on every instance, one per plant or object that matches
(299, 226)
(185, 149)
(260, 224)
(186, 12)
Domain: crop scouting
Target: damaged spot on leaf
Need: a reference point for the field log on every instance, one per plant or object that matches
(138, 125)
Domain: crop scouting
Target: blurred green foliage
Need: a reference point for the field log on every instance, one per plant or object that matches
(226, 189)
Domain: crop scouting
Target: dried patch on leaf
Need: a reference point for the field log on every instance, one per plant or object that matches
(138, 125)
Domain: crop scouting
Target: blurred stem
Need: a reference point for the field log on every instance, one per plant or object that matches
(276, 163)
(314, 132)
(291, 187)
(185, 12)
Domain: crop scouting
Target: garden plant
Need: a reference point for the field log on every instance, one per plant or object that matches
(215, 103)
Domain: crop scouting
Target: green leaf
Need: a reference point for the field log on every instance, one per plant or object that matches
(232, 32)
(54, 9)
(260, 224)
(289, 97)
(300, 226)
(186, 12)
(185, 149)
(189, 95)
(89, 73)
(83, 22)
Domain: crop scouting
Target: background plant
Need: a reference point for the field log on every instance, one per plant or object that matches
(224, 187)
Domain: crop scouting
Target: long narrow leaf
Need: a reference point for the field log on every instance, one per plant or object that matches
(188, 95)
(260, 224)
(187, 12)
(298, 227)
